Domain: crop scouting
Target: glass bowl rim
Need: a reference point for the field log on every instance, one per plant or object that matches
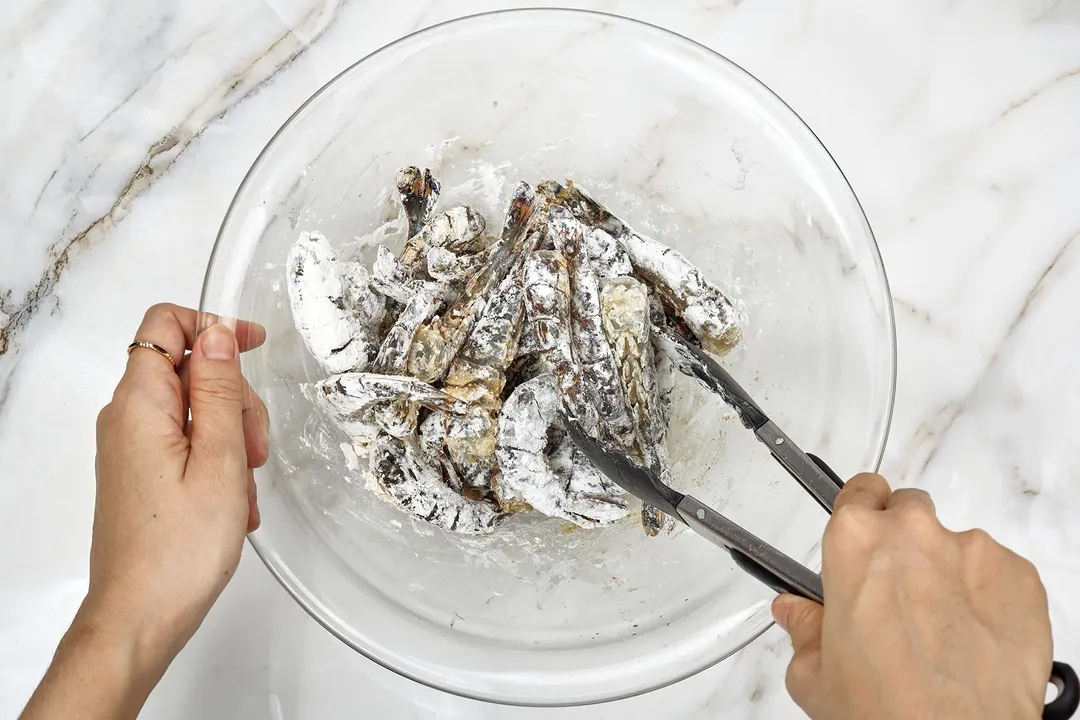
(292, 585)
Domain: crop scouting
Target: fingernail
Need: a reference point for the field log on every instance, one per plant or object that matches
(780, 612)
(218, 343)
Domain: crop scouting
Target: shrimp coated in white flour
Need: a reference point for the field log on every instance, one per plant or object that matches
(453, 362)
(336, 314)
(446, 266)
(478, 375)
(715, 319)
(366, 403)
(606, 255)
(350, 394)
(547, 307)
(441, 338)
(627, 324)
(592, 352)
(394, 352)
(459, 230)
(526, 472)
(417, 485)
(391, 278)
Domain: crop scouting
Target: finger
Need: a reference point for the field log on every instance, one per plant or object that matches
(165, 326)
(799, 618)
(216, 393)
(256, 428)
(249, 335)
(868, 490)
(911, 498)
(256, 419)
(254, 518)
(170, 318)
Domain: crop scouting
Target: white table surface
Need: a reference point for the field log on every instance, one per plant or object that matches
(126, 128)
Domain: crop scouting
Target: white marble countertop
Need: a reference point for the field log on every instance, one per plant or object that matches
(126, 129)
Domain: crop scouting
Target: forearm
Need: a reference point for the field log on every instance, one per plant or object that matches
(99, 671)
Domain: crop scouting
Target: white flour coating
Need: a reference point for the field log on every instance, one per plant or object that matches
(350, 394)
(606, 255)
(391, 278)
(492, 344)
(335, 313)
(417, 486)
(523, 435)
(443, 338)
(547, 307)
(477, 375)
(713, 317)
(446, 266)
(367, 404)
(592, 352)
(458, 229)
(716, 319)
(578, 475)
(433, 444)
(394, 353)
(352, 462)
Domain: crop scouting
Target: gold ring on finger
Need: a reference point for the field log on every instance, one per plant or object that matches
(151, 346)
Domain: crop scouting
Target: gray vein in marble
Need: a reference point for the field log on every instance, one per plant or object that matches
(1068, 11)
(952, 410)
(139, 85)
(233, 90)
(1017, 104)
(913, 310)
(4, 392)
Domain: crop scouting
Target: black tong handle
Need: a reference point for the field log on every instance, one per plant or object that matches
(827, 470)
(1063, 677)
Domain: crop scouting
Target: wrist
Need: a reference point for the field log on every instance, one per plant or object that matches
(100, 670)
(135, 651)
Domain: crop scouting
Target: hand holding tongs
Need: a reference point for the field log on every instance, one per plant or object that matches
(755, 556)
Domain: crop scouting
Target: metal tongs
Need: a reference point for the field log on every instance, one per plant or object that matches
(751, 553)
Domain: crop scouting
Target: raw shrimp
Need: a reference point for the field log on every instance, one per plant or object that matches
(418, 193)
(442, 337)
(477, 375)
(708, 311)
(416, 483)
(391, 278)
(526, 473)
(592, 353)
(365, 403)
(459, 230)
(337, 316)
(626, 311)
(547, 304)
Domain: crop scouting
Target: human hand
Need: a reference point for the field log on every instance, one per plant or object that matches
(174, 501)
(919, 621)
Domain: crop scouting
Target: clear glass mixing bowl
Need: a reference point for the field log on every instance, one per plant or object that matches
(689, 148)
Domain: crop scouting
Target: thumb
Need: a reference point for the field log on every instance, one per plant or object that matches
(216, 396)
(801, 619)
